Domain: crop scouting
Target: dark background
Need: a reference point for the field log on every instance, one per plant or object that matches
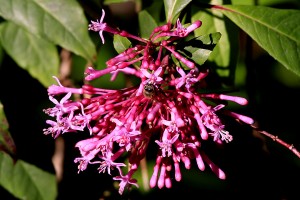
(256, 167)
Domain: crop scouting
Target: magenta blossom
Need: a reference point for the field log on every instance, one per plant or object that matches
(167, 104)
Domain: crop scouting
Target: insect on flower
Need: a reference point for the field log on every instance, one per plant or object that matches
(149, 90)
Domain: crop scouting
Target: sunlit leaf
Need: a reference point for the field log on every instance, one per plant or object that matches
(173, 8)
(25, 181)
(225, 53)
(275, 30)
(62, 22)
(264, 2)
(146, 24)
(35, 54)
(121, 43)
(199, 48)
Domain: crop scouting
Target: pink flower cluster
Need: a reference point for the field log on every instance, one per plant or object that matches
(166, 105)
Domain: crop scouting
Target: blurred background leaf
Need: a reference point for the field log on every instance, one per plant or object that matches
(51, 19)
(146, 24)
(36, 55)
(26, 181)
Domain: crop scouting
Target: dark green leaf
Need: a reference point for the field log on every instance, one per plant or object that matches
(121, 43)
(1, 54)
(275, 30)
(204, 180)
(105, 53)
(146, 24)
(25, 181)
(36, 55)
(143, 175)
(6, 142)
(173, 8)
(62, 22)
(78, 66)
(155, 10)
(199, 48)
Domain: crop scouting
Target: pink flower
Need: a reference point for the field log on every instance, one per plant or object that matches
(125, 181)
(108, 163)
(99, 26)
(166, 144)
(155, 77)
(180, 31)
(166, 103)
(183, 32)
(220, 134)
(123, 135)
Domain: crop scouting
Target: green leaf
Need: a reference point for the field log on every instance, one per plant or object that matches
(36, 55)
(265, 2)
(1, 54)
(205, 180)
(275, 30)
(143, 175)
(199, 48)
(62, 22)
(107, 2)
(173, 8)
(224, 55)
(146, 24)
(6, 142)
(25, 181)
(121, 43)
(105, 53)
(155, 10)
